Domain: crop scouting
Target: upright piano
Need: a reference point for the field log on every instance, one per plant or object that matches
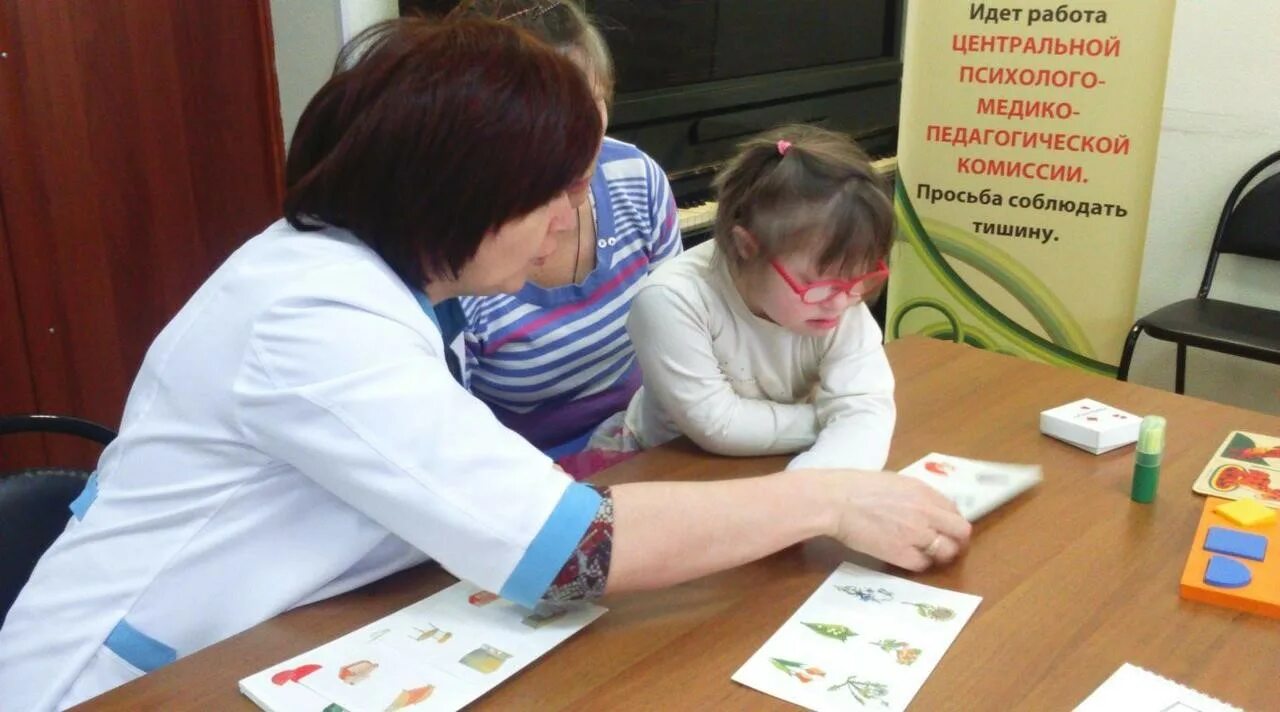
(696, 77)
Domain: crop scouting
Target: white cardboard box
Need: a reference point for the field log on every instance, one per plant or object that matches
(1091, 426)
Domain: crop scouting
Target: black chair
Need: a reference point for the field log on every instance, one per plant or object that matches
(1249, 226)
(34, 502)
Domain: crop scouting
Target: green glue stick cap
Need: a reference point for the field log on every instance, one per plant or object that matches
(1151, 436)
(1146, 465)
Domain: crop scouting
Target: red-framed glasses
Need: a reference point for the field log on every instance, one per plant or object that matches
(819, 292)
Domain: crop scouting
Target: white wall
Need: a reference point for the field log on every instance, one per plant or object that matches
(355, 15)
(308, 34)
(1221, 115)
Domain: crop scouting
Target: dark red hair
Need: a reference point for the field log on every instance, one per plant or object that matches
(431, 134)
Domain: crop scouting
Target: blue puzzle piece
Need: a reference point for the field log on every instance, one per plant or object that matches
(1221, 540)
(1226, 573)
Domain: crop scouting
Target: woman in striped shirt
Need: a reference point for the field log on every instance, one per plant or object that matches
(553, 361)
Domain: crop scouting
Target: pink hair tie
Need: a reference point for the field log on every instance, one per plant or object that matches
(783, 145)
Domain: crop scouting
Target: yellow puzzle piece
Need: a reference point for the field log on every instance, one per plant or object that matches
(1247, 512)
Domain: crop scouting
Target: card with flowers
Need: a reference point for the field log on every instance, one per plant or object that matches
(863, 640)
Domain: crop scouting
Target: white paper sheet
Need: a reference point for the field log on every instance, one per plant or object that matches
(440, 653)
(976, 487)
(864, 640)
(1134, 689)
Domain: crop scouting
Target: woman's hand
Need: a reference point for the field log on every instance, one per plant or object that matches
(896, 519)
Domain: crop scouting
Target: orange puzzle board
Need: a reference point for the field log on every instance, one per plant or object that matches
(1261, 595)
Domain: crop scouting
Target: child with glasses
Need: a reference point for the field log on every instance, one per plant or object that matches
(760, 342)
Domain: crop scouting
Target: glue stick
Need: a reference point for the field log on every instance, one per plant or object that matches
(1146, 463)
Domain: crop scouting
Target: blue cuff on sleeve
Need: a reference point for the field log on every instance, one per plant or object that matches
(139, 649)
(553, 544)
(81, 504)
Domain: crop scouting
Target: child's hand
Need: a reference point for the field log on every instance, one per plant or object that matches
(896, 519)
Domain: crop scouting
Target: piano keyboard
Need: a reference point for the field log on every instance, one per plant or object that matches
(695, 218)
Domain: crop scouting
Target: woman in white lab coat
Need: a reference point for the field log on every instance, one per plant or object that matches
(296, 431)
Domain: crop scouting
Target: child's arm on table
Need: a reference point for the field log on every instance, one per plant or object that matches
(854, 399)
(673, 346)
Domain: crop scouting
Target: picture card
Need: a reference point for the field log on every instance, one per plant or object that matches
(1245, 466)
(372, 677)
(863, 640)
(440, 653)
(976, 487)
(1134, 689)
(280, 688)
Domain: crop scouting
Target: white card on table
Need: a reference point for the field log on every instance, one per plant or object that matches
(1134, 689)
(975, 486)
(864, 640)
(440, 653)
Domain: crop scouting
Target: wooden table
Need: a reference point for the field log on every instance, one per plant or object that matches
(1075, 578)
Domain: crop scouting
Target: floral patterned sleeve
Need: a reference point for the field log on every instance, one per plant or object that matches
(585, 573)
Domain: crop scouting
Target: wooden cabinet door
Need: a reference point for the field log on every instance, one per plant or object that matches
(140, 144)
(17, 393)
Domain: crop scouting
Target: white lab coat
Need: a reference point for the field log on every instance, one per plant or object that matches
(293, 433)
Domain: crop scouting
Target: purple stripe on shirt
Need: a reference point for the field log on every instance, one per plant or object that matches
(548, 425)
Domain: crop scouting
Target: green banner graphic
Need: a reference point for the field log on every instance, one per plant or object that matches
(1026, 150)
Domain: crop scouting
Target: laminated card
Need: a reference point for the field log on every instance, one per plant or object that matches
(976, 487)
(440, 653)
(864, 640)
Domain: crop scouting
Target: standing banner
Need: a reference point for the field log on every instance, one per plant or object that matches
(1026, 149)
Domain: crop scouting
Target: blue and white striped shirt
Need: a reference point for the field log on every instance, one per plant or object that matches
(554, 363)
